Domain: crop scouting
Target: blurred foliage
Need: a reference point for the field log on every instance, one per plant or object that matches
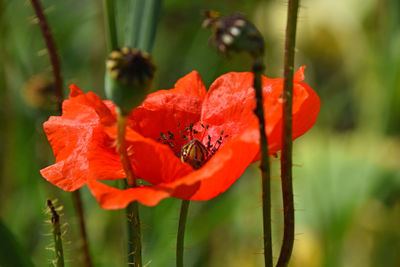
(347, 177)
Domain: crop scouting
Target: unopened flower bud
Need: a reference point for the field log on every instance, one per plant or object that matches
(234, 33)
(130, 75)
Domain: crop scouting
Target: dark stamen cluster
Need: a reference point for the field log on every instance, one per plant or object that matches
(187, 134)
(167, 140)
(212, 148)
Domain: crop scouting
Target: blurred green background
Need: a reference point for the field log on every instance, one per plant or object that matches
(347, 172)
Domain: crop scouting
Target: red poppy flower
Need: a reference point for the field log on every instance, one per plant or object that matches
(220, 119)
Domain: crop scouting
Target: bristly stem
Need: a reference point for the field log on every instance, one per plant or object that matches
(109, 15)
(122, 151)
(56, 66)
(52, 50)
(134, 235)
(258, 68)
(135, 241)
(286, 157)
(181, 232)
(57, 235)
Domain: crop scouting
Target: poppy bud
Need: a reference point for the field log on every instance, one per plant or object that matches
(39, 92)
(130, 74)
(234, 33)
(194, 153)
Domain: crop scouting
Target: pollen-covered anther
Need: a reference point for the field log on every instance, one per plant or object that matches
(193, 152)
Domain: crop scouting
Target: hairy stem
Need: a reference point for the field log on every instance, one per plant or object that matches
(76, 196)
(134, 238)
(56, 231)
(55, 63)
(52, 51)
(181, 232)
(286, 157)
(123, 153)
(258, 67)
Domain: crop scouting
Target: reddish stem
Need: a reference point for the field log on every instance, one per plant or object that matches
(286, 157)
(258, 68)
(51, 48)
(55, 63)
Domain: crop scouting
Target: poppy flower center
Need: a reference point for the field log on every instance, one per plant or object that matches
(193, 151)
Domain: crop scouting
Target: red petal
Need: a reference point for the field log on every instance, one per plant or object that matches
(113, 198)
(155, 162)
(94, 101)
(229, 104)
(214, 178)
(305, 109)
(190, 84)
(162, 111)
(222, 170)
(81, 147)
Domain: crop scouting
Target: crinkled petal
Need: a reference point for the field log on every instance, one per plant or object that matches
(190, 84)
(113, 198)
(80, 146)
(92, 100)
(151, 160)
(170, 110)
(222, 170)
(230, 102)
(83, 138)
(214, 178)
(305, 109)
(154, 162)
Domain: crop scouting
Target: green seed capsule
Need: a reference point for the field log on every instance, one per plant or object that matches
(130, 73)
(234, 33)
(194, 153)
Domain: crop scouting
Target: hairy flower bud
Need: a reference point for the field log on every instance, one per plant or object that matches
(234, 33)
(130, 74)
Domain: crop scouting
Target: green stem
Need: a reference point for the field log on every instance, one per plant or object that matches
(181, 232)
(134, 237)
(286, 157)
(57, 238)
(148, 27)
(109, 15)
(135, 241)
(258, 68)
(122, 151)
